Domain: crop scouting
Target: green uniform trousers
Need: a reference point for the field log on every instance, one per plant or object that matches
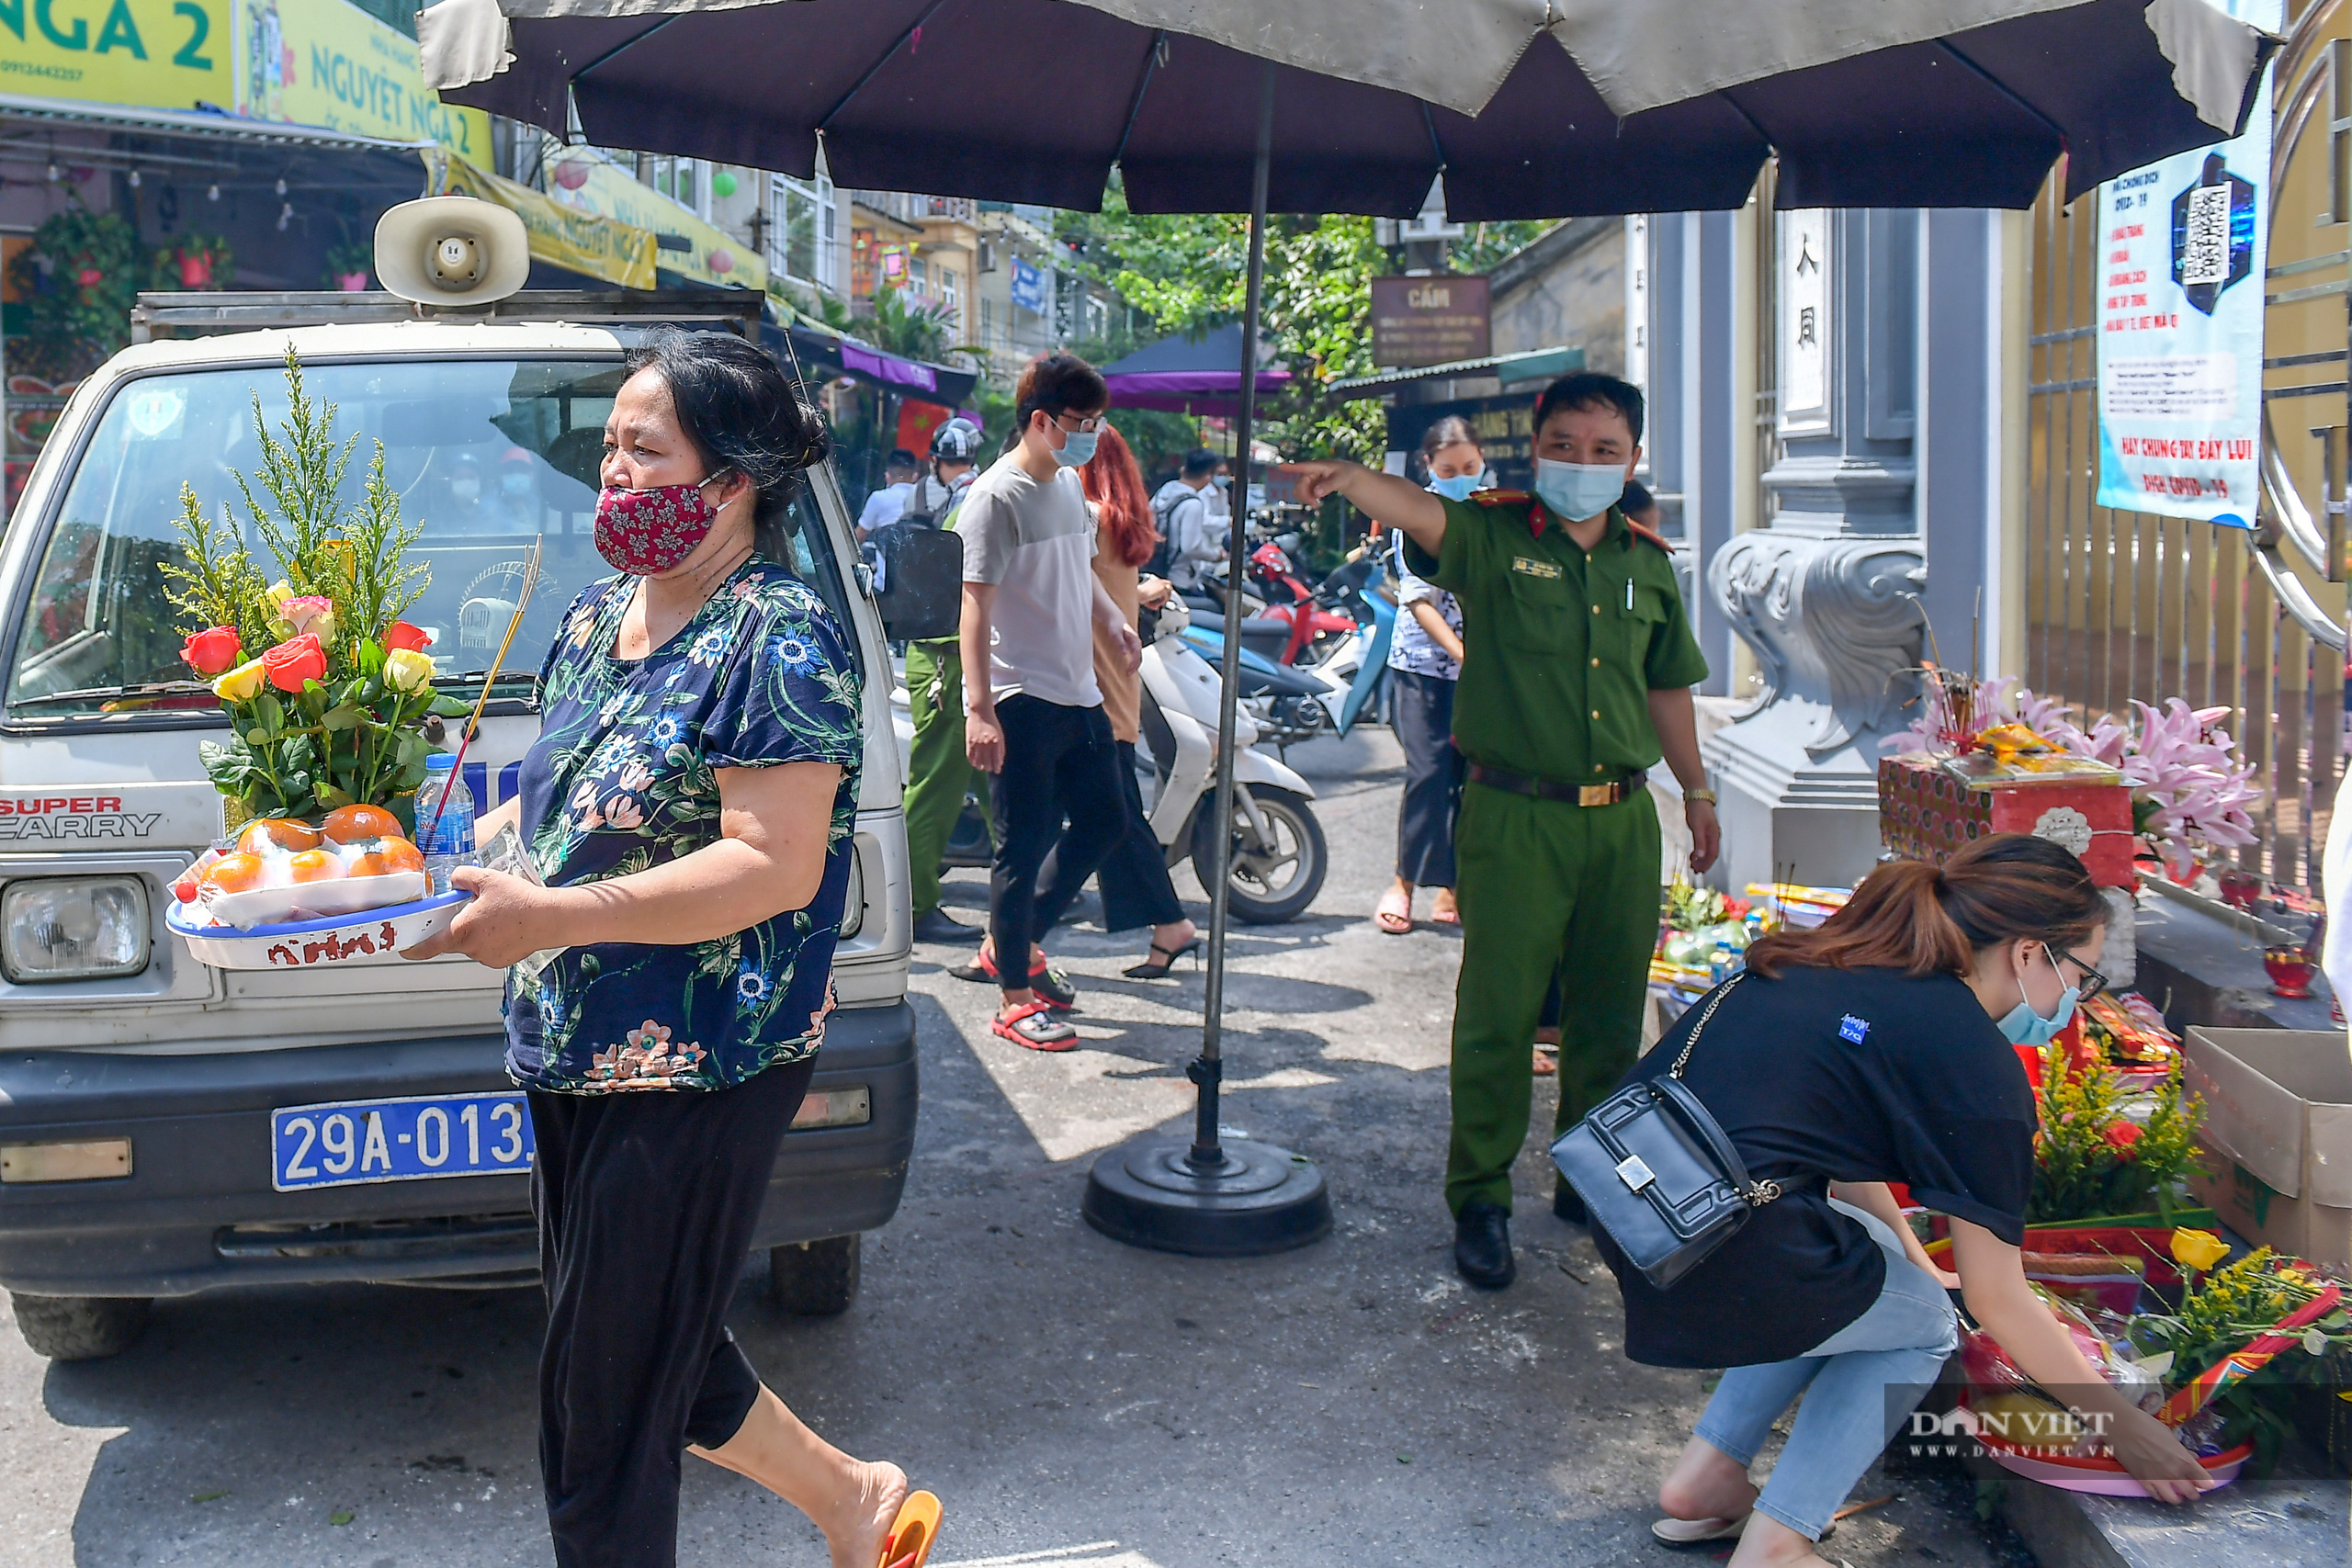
(1542, 882)
(938, 774)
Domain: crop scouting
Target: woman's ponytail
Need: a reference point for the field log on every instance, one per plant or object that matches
(1926, 919)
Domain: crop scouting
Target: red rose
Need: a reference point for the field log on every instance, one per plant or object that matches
(212, 651)
(400, 634)
(89, 278)
(2123, 1137)
(295, 660)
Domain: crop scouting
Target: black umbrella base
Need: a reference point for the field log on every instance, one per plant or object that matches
(1262, 1199)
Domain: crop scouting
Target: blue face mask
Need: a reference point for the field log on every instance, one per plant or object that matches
(1456, 487)
(1077, 446)
(2023, 1026)
(1579, 491)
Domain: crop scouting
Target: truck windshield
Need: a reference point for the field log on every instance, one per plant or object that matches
(486, 453)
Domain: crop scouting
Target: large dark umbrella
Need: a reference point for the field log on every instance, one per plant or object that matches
(1530, 108)
(1189, 374)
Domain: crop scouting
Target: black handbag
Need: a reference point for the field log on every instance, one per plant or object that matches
(1657, 1173)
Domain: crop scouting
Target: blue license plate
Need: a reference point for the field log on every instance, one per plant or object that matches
(399, 1140)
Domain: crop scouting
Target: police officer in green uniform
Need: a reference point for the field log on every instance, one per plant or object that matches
(938, 774)
(1575, 680)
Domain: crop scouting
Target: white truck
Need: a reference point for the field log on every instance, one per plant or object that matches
(148, 1140)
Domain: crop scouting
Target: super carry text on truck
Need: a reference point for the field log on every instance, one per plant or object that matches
(166, 1127)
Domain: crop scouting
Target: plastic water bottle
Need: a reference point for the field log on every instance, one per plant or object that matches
(444, 833)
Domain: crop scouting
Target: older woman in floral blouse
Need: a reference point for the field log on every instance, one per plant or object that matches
(689, 802)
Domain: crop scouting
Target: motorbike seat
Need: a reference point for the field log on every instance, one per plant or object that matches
(1264, 635)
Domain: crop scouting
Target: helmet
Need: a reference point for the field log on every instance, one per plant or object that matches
(957, 441)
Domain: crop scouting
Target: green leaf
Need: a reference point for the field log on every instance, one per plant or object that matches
(314, 700)
(345, 716)
(208, 1496)
(271, 712)
(371, 654)
(340, 1517)
(331, 796)
(449, 707)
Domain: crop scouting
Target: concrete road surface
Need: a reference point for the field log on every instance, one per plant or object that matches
(1076, 1404)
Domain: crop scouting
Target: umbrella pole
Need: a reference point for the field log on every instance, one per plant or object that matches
(1215, 1198)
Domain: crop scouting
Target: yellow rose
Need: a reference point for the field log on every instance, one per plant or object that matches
(2198, 1249)
(277, 592)
(239, 685)
(405, 670)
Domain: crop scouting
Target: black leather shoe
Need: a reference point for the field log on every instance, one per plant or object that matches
(1567, 1205)
(1482, 1245)
(937, 925)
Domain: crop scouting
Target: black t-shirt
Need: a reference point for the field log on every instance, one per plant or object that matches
(1821, 1075)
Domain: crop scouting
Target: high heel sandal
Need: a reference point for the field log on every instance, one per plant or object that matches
(1147, 970)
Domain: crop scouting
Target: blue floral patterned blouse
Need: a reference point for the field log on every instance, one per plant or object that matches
(622, 777)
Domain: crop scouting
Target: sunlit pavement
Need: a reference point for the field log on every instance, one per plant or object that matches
(1076, 1404)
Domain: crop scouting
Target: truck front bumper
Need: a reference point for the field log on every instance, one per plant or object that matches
(198, 1209)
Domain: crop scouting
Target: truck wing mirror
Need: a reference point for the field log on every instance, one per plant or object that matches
(918, 579)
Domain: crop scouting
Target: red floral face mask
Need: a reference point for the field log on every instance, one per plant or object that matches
(645, 532)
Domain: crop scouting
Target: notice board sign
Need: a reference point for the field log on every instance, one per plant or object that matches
(2181, 262)
(1430, 321)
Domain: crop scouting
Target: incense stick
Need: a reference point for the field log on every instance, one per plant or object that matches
(473, 722)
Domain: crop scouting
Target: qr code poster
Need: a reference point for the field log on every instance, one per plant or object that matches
(2181, 260)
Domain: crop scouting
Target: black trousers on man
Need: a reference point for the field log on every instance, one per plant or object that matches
(647, 1200)
(1060, 762)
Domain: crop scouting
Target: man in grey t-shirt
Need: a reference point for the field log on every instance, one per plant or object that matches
(1034, 714)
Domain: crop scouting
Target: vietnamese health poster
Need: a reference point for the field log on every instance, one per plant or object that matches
(2181, 262)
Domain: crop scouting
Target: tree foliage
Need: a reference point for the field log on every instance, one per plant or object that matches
(1188, 273)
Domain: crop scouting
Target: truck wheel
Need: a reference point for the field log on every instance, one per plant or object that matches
(1276, 884)
(815, 1279)
(79, 1329)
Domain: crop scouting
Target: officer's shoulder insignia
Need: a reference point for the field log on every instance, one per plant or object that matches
(1500, 498)
(1643, 534)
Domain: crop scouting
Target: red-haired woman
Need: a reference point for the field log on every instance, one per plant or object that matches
(1875, 1048)
(1134, 876)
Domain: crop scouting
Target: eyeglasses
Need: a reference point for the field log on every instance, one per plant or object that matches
(1083, 426)
(2092, 982)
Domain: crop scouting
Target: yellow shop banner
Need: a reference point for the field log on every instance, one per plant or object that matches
(150, 53)
(327, 62)
(577, 242)
(585, 182)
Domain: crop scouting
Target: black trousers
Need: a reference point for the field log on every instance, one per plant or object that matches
(1433, 779)
(647, 1200)
(1059, 762)
(1133, 876)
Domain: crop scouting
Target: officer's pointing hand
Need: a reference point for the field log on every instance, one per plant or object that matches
(1315, 481)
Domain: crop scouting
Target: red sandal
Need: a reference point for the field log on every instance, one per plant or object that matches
(1034, 1026)
(1051, 986)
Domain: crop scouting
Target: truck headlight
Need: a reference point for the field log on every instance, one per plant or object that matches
(73, 928)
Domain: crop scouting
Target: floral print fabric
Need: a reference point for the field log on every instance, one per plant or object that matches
(623, 777)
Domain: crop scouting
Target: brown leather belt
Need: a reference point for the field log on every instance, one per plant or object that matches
(1546, 789)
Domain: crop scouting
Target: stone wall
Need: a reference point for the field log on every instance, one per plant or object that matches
(1565, 290)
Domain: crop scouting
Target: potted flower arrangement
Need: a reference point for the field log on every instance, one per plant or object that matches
(2099, 1166)
(328, 691)
(194, 260)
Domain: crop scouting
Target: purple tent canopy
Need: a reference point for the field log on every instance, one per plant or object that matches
(1190, 375)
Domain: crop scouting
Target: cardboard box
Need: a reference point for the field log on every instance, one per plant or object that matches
(1925, 813)
(2277, 1136)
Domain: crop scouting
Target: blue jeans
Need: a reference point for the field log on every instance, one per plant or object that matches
(1900, 1343)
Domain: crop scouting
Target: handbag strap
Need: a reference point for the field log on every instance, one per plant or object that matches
(1705, 1014)
(1756, 1193)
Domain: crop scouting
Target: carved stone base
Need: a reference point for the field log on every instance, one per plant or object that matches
(1834, 618)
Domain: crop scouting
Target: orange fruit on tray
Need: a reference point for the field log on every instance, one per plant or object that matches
(316, 865)
(235, 873)
(350, 824)
(387, 857)
(277, 833)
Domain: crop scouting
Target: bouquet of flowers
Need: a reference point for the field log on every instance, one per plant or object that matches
(2189, 790)
(327, 690)
(2091, 1159)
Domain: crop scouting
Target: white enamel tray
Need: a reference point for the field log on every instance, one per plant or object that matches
(342, 941)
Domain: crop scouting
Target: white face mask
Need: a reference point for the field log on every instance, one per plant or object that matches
(465, 492)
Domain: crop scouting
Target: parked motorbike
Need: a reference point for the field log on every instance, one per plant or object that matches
(1313, 617)
(1279, 857)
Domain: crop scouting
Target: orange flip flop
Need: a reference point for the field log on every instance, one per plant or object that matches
(912, 1532)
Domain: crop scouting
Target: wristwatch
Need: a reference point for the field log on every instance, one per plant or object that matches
(1706, 794)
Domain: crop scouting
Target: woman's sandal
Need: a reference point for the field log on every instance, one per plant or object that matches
(1446, 914)
(912, 1531)
(1394, 913)
(1147, 970)
(1548, 1061)
(1049, 984)
(1035, 1027)
(1702, 1532)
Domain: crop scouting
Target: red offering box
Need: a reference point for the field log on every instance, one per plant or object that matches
(1925, 813)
